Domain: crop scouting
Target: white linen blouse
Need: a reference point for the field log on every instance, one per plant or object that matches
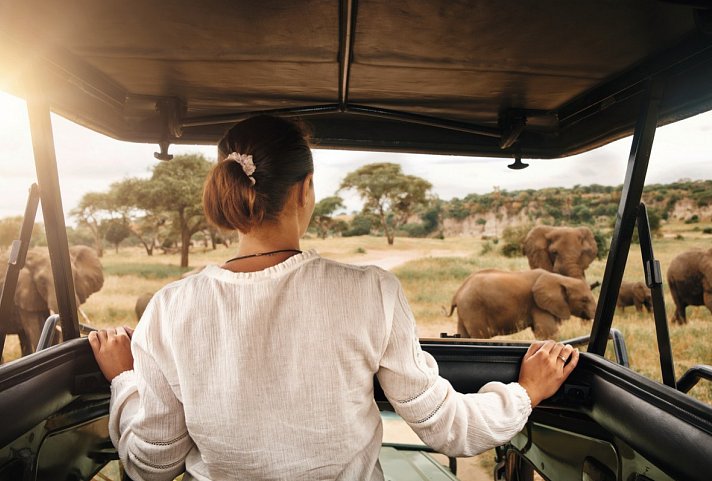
(269, 376)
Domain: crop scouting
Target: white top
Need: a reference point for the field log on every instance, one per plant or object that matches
(269, 375)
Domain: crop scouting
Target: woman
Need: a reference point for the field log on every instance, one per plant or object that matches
(262, 368)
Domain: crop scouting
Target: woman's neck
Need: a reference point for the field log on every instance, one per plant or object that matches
(279, 236)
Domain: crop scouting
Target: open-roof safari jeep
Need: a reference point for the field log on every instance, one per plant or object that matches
(535, 79)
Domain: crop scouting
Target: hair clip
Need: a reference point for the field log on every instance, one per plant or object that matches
(245, 161)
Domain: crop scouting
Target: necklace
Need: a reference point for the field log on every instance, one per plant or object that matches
(270, 253)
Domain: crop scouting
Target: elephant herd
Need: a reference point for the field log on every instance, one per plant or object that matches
(494, 302)
(490, 302)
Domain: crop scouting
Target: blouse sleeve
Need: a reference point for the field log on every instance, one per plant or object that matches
(146, 419)
(452, 423)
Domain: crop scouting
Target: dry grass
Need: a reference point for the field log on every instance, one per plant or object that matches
(429, 283)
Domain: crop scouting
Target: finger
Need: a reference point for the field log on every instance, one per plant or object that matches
(533, 348)
(566, 352)
(572, 363)
(556, 350)
(120, 331)
(547, 347)
(94, 341)
(129, 330)
(102, 335)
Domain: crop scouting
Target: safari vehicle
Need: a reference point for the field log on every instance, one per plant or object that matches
(515, 80)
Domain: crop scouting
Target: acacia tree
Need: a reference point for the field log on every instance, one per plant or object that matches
(176, 187)
(322, 218)
(131, 198)
(91, 210)
(388, 194)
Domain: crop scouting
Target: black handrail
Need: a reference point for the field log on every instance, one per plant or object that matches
(693, 376)
(619, 347)
(48, 332)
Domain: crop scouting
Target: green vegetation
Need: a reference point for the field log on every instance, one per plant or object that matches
(390, 197)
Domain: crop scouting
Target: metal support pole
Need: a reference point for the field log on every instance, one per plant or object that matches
(626, 217)
(48, 180)
(654, 280)
(16, 261)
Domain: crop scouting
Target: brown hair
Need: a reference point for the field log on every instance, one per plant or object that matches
(282, 158)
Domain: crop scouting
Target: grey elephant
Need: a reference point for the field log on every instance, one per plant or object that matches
(493, 302)
(563, 250)
(35, 294)
(635, 294)
(690, 279)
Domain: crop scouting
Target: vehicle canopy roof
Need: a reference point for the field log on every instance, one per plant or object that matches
(539, 78)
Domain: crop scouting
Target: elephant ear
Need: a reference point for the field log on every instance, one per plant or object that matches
(589, 248)
(88, 272)
(536, 248)
(550, 295)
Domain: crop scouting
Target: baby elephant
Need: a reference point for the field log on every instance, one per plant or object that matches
(635, 294)
(493, 302)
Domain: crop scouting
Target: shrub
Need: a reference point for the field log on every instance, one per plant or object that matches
(679, 237)
(360, 225)
(487, 247)
(707, 230)
(602, 243)
(414, 230)
(693, 220)
(513, 238)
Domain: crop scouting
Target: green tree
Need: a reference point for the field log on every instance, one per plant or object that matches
(92, 209)
(10, 231)
(323, 218)
(176, 187)
(132, 200)
(116, 232)
(389, 194)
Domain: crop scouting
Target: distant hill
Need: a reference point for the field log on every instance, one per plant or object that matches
(488, 214)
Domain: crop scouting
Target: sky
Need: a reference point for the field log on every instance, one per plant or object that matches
(90, 162)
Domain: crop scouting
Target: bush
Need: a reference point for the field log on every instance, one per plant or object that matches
(360, 225)
(602, 243)
(693, 220)
(707, 230)
(679, 237)
(513, 239)
(414, 230)
(487, 247)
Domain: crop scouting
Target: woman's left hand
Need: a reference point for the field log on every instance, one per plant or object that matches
(112, 350)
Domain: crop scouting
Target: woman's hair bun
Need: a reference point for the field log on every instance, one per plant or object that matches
(280, 153)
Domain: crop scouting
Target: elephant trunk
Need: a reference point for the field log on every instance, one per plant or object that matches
(569, 268)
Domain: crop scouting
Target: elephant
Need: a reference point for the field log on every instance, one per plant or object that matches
(635, 294)
(35, 296)
(690, 279)
(492, 302)
(142, 303)
(563, 250)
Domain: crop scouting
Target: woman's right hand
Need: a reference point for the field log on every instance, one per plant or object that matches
(544, 368)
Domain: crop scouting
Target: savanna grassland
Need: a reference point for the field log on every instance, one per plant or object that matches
(430, 271)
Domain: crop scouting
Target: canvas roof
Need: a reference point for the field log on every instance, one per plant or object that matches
(540, 78)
